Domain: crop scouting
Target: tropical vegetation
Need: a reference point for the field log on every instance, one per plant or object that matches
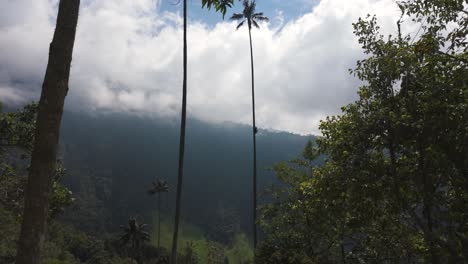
(384, 182)
(392, 187)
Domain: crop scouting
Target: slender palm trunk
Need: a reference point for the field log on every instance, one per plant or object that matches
(159, 220)
(254, 132)
(139, 258)
(43, 158)
(343, 254)
(181, 145)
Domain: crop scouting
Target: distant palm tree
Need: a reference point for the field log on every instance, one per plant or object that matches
(248, 15)
(135, 235)
(160, 186)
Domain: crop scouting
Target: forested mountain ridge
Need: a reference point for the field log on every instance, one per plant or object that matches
(111, 162)
(115, 158)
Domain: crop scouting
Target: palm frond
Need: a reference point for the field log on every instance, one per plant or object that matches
(125, 238)
(251, 8)
(219, 5)
(261, 18)
(236, 16)
(145, 236)
(255, 24)
(240, 24)
(246, 4)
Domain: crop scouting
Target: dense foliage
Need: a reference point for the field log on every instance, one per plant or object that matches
(394, 186)
(16, 143)
(220, 6)
(65, 244)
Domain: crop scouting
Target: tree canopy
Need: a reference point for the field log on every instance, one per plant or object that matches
(393, 187)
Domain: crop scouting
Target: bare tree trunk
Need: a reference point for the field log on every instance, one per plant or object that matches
(254, 132)
(343, 254)
(159, 220)
(181, 145)
(43, 158)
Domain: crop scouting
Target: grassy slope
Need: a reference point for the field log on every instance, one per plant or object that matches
(239, 252)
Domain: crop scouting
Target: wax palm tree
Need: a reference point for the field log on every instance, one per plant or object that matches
(135, 235)
(220, 6)
(252, 18)
(160, 186)
(180, 173)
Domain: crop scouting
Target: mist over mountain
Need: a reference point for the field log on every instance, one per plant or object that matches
(112, 160)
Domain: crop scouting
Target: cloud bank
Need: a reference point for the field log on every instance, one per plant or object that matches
(128, 58)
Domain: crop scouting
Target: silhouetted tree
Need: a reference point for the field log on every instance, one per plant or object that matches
(215, 253)
(251, 17)
(160, 186)
(220, 6)
(44, 155)
(189, 256)
(135, 235)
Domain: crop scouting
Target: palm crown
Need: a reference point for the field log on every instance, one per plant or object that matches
(158, 187)
(134, 233)
(249, 15)
(219, 5)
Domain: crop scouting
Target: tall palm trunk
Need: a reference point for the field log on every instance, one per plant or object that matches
(181, 145)
(43, 158)
(159, 220)
(254, 132)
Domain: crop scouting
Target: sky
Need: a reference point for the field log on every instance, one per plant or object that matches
(128, 59)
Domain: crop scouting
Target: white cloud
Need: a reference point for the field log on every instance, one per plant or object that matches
(128, 58)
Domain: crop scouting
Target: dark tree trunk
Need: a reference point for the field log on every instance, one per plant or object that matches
(427, 206)
(159, 220)
(43, 158)
(254, 132)
(181, 145)
(343, 254)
